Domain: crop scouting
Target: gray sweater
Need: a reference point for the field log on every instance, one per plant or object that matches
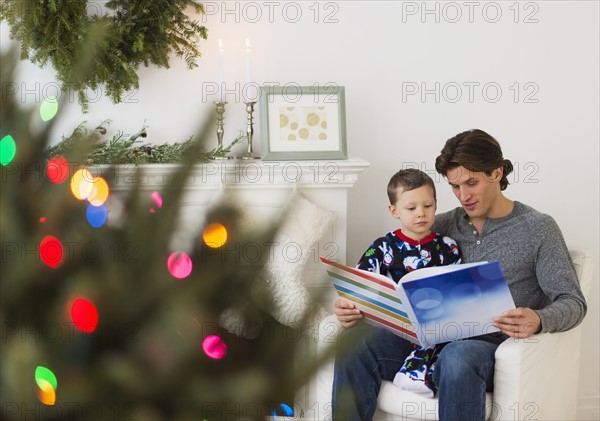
(534, 258)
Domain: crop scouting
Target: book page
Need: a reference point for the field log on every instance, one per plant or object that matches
(374, 295)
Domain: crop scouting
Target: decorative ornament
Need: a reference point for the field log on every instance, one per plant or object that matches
(124, 33)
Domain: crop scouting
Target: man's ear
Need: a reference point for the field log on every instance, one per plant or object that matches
(498, 173)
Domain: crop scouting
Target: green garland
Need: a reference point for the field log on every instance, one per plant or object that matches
(124, 34)
(128, 149)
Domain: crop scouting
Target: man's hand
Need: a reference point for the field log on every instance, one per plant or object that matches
(519, 322)
(347, 313)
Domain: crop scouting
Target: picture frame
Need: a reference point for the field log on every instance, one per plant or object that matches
(303, 122)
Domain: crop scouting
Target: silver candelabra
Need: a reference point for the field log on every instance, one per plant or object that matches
(220, 130)
(249, 130)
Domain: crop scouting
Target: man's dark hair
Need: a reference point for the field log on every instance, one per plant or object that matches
(408, 179)
(476, 151)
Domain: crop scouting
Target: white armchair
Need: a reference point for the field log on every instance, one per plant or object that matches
(531, 380)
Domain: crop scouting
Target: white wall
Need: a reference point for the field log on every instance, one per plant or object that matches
(544, 51)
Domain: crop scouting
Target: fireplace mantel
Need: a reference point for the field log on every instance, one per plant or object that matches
(244, 174)
(262, 187)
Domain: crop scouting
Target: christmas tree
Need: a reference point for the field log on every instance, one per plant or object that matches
(103, 320)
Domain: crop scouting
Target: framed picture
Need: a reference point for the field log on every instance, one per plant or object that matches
(303, 122)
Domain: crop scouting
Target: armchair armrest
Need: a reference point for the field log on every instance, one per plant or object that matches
(538, 378)
(535, 378)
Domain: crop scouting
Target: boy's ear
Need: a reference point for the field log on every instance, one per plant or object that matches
(392, 210)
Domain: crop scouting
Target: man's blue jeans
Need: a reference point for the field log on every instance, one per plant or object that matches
(463, 373)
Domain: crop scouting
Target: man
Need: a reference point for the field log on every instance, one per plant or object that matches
(487, 226)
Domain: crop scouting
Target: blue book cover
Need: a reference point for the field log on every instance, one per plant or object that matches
(447, 303)
(431, 305)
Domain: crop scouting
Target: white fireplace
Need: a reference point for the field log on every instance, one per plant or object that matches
(263, 188)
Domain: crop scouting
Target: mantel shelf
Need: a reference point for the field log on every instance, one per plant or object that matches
(243, 174)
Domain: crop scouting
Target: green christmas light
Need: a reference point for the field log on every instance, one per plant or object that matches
(49, 108)
(45, 374)
(8, 149)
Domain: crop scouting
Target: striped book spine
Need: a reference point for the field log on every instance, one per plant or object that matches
(375, 295)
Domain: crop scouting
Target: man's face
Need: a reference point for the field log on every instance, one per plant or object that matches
(477, 192)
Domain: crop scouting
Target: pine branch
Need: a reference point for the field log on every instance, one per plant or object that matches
(132, 33)
(122, 149)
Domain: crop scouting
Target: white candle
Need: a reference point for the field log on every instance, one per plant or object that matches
(220, 71)
(248, 63)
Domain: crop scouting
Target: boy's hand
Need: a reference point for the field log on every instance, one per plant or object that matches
(519, 322)
(347, 313)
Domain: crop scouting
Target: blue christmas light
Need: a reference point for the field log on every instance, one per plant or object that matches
(96, 215)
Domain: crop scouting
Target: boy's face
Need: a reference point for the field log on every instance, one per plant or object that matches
(415, 209)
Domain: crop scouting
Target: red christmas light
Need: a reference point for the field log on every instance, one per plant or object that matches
(57, 169)
(51, 251)
(84, 315)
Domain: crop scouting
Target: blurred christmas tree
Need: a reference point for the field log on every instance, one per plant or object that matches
(104, 321)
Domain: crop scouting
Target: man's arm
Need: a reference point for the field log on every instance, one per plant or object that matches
(557, 277)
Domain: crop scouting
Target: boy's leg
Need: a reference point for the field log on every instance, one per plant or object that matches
(414, 374)
(376, 355)
(464, 372)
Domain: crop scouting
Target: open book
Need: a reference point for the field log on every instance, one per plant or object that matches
(430, 305)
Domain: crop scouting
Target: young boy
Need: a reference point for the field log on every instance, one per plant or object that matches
(413, 202)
